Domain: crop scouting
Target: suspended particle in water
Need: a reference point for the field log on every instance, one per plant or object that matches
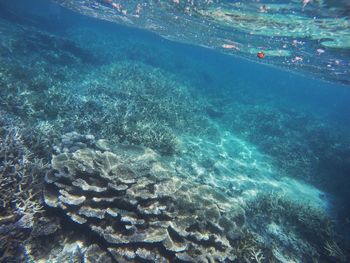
(297, 59)
(229, 46)
(320, 51)
(263, 9)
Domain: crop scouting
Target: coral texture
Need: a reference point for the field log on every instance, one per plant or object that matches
(20, 191)
(131, 200)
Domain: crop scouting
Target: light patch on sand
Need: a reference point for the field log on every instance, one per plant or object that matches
(241, 168)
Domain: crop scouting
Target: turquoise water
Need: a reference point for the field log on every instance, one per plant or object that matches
(152, 132)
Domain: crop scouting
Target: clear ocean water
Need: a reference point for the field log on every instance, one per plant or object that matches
(174, 131)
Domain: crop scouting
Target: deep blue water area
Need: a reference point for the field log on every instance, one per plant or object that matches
(128, 147)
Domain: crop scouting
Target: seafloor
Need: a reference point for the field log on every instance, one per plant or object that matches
(119, 146)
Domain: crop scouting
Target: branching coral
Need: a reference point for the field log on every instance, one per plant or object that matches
(20, 191)
(145, 106)
(18, 173)
(301, 144)
(256, 255)
(300, 226)
(335, 251)
(126, 101)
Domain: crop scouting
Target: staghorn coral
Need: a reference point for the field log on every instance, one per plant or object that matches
(56, 89)
(20, 191)
(335, 251)
(256, 255)
(124, 101)
(130, 199)
(152, 106)
(302, 144)
(18, 171)
(284, 223)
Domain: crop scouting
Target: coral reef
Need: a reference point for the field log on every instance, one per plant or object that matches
(141, 210)
(309, 232)
(298, 143)
(152, 106)
(167, 172)
(132, 206)
(125, 101)
(21, 181)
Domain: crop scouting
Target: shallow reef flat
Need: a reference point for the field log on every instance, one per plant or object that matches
(71, 93)
(107, 154)
(114, 202)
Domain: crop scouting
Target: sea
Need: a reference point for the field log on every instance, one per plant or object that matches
(175, 131)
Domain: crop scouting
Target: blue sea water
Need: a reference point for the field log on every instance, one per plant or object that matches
(263, 143)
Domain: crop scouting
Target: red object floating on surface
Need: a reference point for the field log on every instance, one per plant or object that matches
(261, 54)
